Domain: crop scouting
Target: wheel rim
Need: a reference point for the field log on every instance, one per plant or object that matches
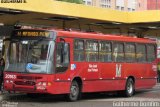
(74, 91)
(130, 88)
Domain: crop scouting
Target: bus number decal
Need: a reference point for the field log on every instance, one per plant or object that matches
(9, 76)
(92, 68)
(118, 70)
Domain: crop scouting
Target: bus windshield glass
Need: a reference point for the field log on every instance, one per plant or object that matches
(32, 56)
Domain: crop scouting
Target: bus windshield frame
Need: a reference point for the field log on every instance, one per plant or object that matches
(31, 54)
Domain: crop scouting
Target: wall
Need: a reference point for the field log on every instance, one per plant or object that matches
(153, 4)
(141, 5)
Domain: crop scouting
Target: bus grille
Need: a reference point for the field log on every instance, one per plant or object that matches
(28, 83)
(28, 77)
(23, 89)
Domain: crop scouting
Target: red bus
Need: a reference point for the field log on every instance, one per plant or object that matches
(71, 63)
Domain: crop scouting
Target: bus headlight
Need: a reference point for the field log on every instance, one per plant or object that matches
(39, 83)
(42, 84)
(9, 81)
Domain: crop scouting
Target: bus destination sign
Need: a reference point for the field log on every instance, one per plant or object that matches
(32, 34)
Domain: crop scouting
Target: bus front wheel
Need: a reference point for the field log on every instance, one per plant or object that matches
(74, 92)
(129, 89)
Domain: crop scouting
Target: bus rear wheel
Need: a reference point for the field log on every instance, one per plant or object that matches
(129, 89)
(74, 92)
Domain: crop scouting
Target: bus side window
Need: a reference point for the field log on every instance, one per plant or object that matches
(130, 52)
(62, 57)
(105, 53)
(79, 50)
(141, 53)
(151, 53)
(91, 50)
(118, 52)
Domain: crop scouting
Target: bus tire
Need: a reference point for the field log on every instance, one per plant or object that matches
(129, 88)
(74, 92)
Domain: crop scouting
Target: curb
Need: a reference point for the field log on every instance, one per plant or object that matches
(158, 84)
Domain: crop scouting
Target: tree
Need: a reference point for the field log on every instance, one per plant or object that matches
(73, 1)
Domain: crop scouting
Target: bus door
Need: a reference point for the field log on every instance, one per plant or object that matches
(62, 61)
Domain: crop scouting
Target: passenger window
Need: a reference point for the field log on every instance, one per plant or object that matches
(141, 53)
(118, 52)
(79, 50)
(151, 54)
(91, 51)
(130, 54)
(105, 53)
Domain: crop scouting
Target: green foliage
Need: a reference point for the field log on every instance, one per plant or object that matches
(73, 1)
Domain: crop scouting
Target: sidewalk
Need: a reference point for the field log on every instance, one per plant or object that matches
(157, 85)
(0, 98)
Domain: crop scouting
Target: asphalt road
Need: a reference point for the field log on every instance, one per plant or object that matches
(142, 98)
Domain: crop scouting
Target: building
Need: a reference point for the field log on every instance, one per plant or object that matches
(153, 4)
(122, 5)
(88, 2)
(141, 5)
(125, 5)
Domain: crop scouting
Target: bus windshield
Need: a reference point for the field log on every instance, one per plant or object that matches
(32, 56)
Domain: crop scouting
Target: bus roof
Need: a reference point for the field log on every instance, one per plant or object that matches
(100, 36)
